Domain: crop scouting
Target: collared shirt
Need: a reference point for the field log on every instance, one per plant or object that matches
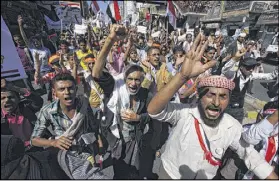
(51, 115)
(20, 123)
(184, 158)
(257, 132)
(261, 132)
(187, 46)
(117, 66)
(230, 70)
(156, 79)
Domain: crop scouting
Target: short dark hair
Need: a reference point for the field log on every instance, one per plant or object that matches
(133, 49)
(152, 48)
(63, 77)
(209, 48)
(131, 69)
(90, 55)
(178, 49)
(141, 37)
(64, 42)
(14, 92)
(82, 40)
(17, 35)
(189, 34)
(271, 105)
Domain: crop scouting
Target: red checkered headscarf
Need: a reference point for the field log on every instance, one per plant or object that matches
(216, 81)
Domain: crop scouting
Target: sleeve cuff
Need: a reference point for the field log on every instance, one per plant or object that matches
(160, 115)
(263, 170)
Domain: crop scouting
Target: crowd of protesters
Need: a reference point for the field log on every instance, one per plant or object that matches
(117, 92)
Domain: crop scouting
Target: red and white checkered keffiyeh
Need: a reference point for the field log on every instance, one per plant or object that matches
(216, 81)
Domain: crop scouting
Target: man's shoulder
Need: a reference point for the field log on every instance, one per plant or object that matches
(231, 122)
(49, 108)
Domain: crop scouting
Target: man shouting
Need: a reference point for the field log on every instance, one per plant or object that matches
(201, 133)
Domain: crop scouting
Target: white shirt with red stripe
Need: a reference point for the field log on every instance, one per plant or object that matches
(184, 158)
(266, 132)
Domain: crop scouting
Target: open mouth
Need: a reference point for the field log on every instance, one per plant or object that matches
(133, 89)
(8, 106)
(214, 112)
(69, 99)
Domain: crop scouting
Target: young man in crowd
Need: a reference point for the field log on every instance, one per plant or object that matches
(157, 73)
(263, 135)
(18, 117)
(115, 60)
(84, 50)
(26, 60)
(74, 126)
(125, 113)
(202, 128)
(188, 43)
(241, 77)
(36, 47)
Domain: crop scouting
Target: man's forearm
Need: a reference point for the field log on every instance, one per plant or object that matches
(161, 99)
(24, 37)
(42, 142)
(101, 60)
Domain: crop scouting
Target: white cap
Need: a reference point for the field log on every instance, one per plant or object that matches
(242, 35)
(217, 33)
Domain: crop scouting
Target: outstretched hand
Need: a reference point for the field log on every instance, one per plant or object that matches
(192, 66)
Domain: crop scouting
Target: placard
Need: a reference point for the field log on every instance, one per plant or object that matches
(142, 29)
(11, 66)
(236, 5)
(268, 18)
(259, 6)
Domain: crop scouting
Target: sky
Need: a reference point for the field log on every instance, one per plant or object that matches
(101, 4)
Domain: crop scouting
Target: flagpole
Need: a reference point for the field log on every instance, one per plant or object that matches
(167, 33)
(61, 20)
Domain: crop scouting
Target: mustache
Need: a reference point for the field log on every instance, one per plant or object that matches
(213, 107)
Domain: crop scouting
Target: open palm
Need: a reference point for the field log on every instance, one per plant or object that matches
(192, 66)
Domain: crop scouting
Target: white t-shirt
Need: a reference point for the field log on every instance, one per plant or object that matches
(44, 55)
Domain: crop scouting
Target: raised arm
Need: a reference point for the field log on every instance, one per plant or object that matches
(37, 75)
(75, 65)
(89, 37)
(117, 32)
(61, 62)
(24, 37)
(130, 43)
(191, 67)
(35, 102)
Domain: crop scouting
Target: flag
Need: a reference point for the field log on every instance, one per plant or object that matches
(147, 16)
(116, 11)
(71, 4)
(113, 12)
(95, 7)
(171, 13)
(109, 13)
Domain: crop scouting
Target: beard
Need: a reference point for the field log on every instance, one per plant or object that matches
(209, 122)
